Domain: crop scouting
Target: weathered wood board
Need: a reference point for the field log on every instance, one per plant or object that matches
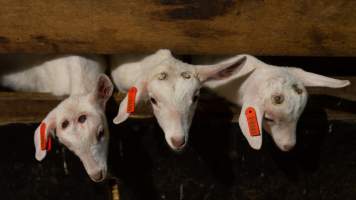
(273, 27)
(22, 107)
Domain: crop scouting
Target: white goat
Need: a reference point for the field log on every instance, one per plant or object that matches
(276, 95)
(79, 121)
(172, 87)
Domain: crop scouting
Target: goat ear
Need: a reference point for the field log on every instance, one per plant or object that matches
(162, 53)
(123, 113)
(235, 66)
(42, 135)
(315, 80)
(250, 122)
(103, 90)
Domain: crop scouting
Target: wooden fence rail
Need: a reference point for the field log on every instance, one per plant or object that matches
(298, 28)
(22, 107)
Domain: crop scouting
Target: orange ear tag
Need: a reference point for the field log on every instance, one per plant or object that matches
(49, 144)
(252, 122)
(131, 100)
(43, 136)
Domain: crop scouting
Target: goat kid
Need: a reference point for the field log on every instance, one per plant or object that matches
(171, 86)
(277, 96)
(79, 121)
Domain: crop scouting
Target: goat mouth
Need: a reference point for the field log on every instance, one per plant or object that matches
(286, 148)
(99, 177)
(179, 149)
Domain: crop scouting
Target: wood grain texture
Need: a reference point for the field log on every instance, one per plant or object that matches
(30, 107)
(337, 104)
(25, 107)
(258, 27)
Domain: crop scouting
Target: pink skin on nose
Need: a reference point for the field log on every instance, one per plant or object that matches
(287, 147)
(97, 177)
(94, 171)
(178, 142)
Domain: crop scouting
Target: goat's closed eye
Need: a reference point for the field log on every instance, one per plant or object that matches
(269, 119)
(82, 118)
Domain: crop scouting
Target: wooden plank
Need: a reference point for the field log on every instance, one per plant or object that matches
(318, 28)
(29, 107)
(338, 104)
(25, 107)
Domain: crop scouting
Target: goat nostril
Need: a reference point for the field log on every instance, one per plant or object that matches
(287, 147)
(100, 135)
(178, 142)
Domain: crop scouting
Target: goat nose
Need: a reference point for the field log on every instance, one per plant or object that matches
(178, 142)
(97, 177)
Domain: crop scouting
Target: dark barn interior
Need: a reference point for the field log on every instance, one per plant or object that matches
(218, 162)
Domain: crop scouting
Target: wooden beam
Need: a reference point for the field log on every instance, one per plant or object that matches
(298, 28)
(338, 104)
(30, 107)
(25, 107)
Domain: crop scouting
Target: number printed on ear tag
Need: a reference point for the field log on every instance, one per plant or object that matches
(131, 100)
(43, 136)
(252, 121)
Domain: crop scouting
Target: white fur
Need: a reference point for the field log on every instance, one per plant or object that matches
(258, 88)
(81, 78)
(174, 95)
(61, 75)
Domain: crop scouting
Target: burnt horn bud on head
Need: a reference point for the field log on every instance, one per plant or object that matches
(297, 89)
(277, 99)
(185, 75)
(162, 76)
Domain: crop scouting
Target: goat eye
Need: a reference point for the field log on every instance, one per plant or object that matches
(82, 118)
(269, 119)
(65, 124)
(153, 101)
(195, 98)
